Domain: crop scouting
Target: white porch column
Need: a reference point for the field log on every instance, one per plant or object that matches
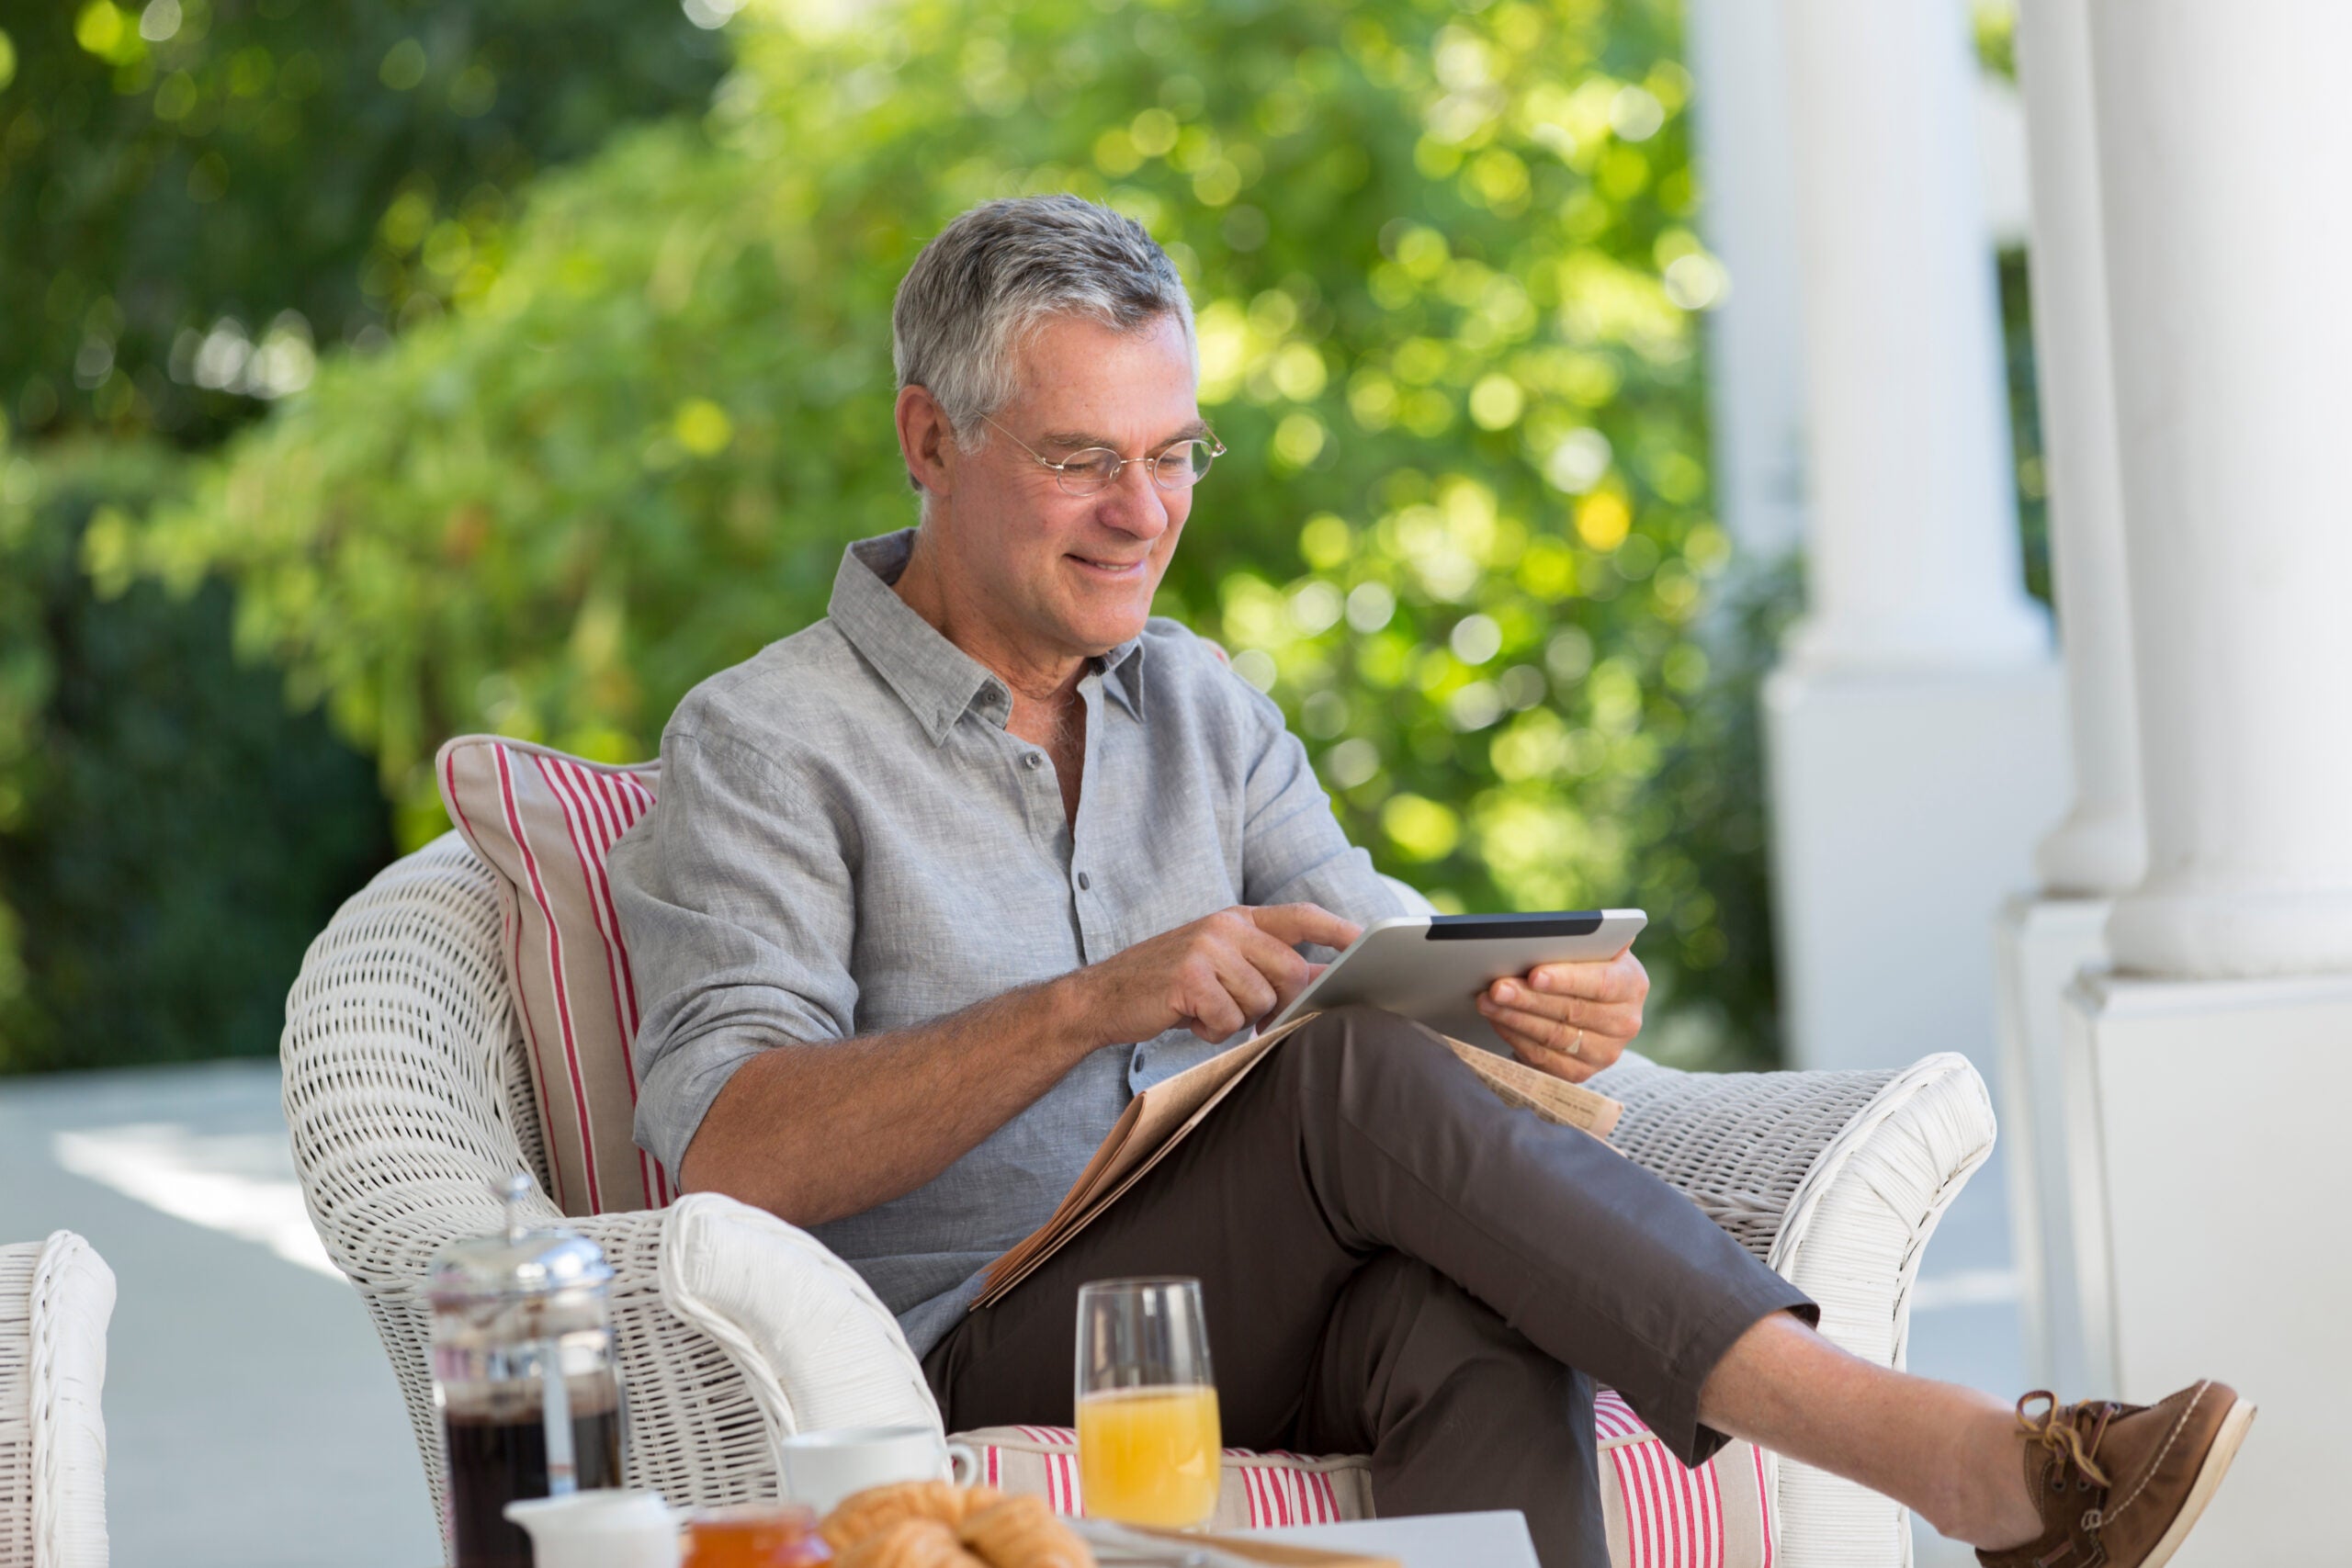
(2218, 1060)
(1913, 730)
(1755, 349)
(2100, 849)
(1913, 554)
(2235, 403)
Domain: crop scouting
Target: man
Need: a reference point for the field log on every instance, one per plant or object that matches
(935, 885)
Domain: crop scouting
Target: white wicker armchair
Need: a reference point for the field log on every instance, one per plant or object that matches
(406, 1094)
(55, 1299)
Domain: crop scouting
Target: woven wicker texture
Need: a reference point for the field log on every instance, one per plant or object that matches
(406, 1089)
(1726, 1139)
(55, 1299)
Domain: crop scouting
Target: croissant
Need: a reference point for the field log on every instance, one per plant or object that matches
(1022, 1532)
(908, 1543)
(860, 1514)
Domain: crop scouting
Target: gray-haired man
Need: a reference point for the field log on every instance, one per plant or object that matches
(935, 885)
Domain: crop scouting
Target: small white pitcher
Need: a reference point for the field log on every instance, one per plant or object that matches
(631, 1529)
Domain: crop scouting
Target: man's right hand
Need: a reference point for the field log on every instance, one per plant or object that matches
(1215, 976)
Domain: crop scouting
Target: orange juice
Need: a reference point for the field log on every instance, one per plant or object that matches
(1148, 1456)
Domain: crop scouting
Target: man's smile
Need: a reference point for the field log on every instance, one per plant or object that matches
(1116, 570)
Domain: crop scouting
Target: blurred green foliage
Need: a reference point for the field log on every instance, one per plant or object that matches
(196, 198)
(196, 194)
(2031, 472)
(170, 837)
(1995, 24)
(1446, 283)
(1993, 28)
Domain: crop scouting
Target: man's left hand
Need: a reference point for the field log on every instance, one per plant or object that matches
(1570, 1020)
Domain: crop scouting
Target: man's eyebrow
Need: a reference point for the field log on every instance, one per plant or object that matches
(1079, 440)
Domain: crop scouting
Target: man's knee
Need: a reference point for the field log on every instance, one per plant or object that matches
(1360, 1029)
(1362, 1044)
(1368, 1063)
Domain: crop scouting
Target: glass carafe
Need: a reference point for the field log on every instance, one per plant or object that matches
(524, 1375)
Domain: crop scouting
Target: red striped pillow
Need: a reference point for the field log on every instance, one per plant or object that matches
(546, 823)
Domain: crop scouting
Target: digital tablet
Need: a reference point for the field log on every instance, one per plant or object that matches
(1431, 968)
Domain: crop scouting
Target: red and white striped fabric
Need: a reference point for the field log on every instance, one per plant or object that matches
(1661, 1514)
(1259, 1490)
(547, 823)
(1658, 1514)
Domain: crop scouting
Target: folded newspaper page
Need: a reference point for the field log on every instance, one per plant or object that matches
(1160, 1117)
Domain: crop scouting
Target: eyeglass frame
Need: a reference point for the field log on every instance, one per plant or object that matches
(1061, 469)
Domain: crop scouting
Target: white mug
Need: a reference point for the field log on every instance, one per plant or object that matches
(822, 1468)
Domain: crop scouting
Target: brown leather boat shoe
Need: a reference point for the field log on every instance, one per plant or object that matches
(2122, 1485)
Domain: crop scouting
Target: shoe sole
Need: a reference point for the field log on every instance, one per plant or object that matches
(2208, 1481)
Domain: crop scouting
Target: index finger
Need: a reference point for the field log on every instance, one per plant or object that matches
(1294, 923)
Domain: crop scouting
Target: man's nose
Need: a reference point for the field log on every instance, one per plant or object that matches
(1134, 504)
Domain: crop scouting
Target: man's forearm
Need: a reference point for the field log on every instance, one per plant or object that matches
(814, 1132)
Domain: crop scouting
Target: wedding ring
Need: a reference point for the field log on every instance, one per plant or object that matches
(1576, 1046)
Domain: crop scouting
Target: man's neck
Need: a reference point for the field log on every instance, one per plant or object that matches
(1043, 682)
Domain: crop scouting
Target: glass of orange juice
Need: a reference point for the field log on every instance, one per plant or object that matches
(1148, 1437)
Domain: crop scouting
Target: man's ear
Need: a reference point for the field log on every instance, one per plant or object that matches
(926, 441)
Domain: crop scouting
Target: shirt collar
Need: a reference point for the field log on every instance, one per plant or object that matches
(937, 681)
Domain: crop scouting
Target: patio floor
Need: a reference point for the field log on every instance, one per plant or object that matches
(251, 1421)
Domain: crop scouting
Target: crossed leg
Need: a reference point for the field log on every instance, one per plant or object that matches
(1393, 1263)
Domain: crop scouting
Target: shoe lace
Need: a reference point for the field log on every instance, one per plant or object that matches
(2070, 1432)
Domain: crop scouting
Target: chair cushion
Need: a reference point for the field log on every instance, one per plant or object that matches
(1657, 1513)
(546, 823)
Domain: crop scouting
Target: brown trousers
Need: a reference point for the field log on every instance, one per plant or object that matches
(1395, 1263)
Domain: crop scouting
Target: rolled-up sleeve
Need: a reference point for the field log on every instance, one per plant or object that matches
(736, 900)
(1292, 849)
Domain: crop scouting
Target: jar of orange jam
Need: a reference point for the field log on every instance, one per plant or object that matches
(754, 1535)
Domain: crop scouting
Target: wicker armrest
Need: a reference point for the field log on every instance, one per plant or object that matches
(55, 1299)
(1836, 1181)
(1799, 1165)
(404, 1108)
(815, 1345)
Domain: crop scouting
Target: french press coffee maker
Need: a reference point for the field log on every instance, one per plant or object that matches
(524, 1375)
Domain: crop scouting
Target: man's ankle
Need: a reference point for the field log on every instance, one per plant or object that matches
(1992, 1507)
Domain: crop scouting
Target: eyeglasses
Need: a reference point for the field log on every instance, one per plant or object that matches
(1096, 468)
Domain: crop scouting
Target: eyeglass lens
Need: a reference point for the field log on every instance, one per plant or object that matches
(1084, 473)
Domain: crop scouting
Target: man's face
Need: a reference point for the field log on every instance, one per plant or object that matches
(1074, 575)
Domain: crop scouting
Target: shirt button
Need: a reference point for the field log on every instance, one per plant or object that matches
(1034, 761)
(1083, 884)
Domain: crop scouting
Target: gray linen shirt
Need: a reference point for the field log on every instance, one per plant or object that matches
(849, 840)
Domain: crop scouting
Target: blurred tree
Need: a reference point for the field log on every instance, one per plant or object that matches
(170, 837)
(1446, 282)
(196, 194)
